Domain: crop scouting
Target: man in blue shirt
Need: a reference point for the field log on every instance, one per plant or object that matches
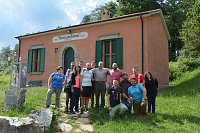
(114, 99)
(137, 95)
(55, 84)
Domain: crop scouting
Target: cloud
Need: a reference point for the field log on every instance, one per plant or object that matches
(27, 16)
(66, 1)
(91, 3)
(10, 9)
(74, 12)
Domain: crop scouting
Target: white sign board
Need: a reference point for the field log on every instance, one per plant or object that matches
(70, 37)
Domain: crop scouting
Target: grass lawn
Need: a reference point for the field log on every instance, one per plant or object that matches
(177, 108)
(35, 99)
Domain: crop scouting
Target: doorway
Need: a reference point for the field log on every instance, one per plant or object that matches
(68, 58)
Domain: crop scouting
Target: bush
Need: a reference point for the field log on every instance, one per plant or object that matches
(5, 71)
(182, 65)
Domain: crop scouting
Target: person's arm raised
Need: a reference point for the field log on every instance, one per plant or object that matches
(125, 96)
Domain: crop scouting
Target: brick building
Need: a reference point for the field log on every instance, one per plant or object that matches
(139, 39)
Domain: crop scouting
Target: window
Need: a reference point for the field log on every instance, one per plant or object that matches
(36, 60)
(109, 47)
(109, 51)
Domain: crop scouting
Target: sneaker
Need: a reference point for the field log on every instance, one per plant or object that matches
(72, 112)
(47, 106)
(76, 111)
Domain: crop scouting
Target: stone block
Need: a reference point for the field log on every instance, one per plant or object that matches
(19, 125)
(44, 117)
(14, 97)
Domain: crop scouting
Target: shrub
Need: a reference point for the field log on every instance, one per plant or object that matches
(182, 65)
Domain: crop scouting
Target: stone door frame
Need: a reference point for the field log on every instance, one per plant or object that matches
(62, 53)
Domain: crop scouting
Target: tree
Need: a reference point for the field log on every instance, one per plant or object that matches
(134, 6)
(15, 53)
(95, 15)
(190, 34)
(174, 12)
(86, 19)
(5, 53)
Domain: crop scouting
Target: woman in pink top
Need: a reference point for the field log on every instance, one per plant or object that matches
(75, 78)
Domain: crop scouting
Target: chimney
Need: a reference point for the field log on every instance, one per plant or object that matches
(105, 15)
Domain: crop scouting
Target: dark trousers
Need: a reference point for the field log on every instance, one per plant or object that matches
(75, 99)
(139, 110)
(151, 102)
(92, 94)
(100, 88)
(128, 104)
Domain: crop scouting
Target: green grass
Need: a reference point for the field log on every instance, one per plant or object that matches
(35, 99)
(177, 109)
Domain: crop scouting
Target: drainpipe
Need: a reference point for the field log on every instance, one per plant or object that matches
(19, 49)
(142, 44)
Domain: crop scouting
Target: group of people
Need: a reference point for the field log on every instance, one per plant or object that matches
(83, 83)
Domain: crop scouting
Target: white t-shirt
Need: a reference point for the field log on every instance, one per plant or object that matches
(70, 74)
(87, 75)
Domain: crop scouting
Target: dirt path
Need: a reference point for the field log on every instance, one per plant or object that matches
(68, 122)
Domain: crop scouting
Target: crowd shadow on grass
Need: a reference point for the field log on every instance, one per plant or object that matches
(188, 88)
(101, 117)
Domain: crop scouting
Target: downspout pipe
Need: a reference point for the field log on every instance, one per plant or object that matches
(19, 49)
(142, 29)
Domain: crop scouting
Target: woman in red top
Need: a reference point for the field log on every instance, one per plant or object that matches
(75, 79)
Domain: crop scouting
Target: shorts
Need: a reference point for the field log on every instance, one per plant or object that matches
(86, 94)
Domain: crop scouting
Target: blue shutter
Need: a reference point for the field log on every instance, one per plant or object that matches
(42, 57)
(98, 54)
(119, 52)
(30, 60)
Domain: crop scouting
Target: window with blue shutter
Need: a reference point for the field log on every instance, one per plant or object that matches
(36, 58)
(110, 51)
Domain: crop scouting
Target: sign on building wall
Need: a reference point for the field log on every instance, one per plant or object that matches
(69, 37)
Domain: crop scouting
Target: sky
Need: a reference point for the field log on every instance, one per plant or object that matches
(18, 17)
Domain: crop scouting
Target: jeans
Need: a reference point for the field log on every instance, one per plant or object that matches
(128, 103)
(75, 99)
(121, 107)
(151, 102)
(57, 98)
